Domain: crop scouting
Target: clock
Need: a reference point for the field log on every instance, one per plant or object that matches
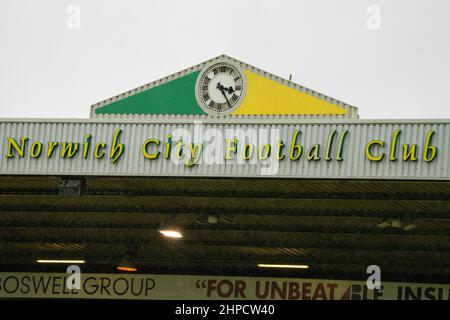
(220, 88)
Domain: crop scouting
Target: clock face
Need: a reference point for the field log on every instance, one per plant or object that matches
(220, 88)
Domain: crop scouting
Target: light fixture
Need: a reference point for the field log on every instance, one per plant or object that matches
(384, 224)
(409, 227)
(396, 223)
(171, 231)
(126, 264)
(61, 261)
(212, 219)
(389, 223)
(285, 266)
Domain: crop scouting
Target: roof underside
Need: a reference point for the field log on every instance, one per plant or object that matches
(329, 224)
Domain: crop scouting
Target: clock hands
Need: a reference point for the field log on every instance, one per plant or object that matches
(230, 90)
(223, 89)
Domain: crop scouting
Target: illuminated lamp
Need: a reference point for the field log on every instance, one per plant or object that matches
(126, 265)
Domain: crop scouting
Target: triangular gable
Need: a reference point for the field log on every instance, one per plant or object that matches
(266, 94)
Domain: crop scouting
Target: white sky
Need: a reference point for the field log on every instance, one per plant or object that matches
(399, 71)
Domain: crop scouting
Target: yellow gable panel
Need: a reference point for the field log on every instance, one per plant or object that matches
(265, 96)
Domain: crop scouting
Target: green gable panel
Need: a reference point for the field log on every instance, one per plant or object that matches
(173, 97)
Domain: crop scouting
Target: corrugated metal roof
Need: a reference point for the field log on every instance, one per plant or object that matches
(274, 221)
